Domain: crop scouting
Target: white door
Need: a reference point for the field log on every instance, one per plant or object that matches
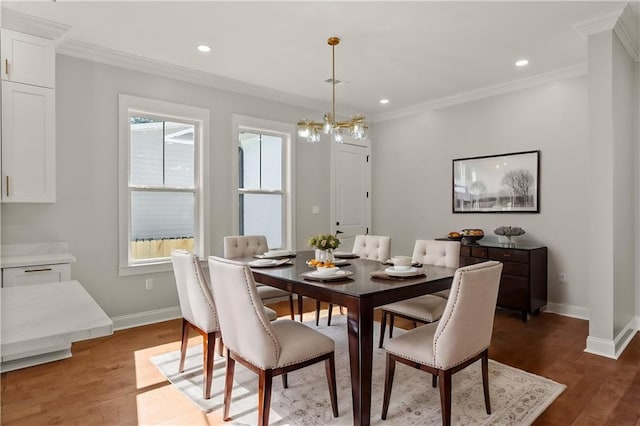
(351, 191)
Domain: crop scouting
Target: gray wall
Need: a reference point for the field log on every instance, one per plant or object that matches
(86, 211)
(415, 153)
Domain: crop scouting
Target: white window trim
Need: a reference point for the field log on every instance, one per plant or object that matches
(201, 118)
(286, 131)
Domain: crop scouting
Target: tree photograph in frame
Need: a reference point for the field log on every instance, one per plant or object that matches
(505, 183)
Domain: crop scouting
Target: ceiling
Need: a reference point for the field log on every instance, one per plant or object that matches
(411, 53)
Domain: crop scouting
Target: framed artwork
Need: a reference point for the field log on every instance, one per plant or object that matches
(505, 183)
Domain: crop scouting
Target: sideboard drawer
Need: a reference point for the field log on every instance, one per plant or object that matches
(465, 251)
(507, 255)
(510, 268)
(481, 252)
(465, 261)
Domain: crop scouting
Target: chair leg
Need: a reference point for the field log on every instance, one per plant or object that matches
(293, 314)
(330, 367)
(388, 383)
(208, 354)
(300, 298)
(341, 311)
(185, 342)
(228, 385)
(285, 381)
(264, 396)
(445, 396)
(391, 318)
(330, 312)
(220, 347)
(383, 326)
(434, 381)
(317, 313)
(485, 381)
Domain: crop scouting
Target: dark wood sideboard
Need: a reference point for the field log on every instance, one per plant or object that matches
(523, 286)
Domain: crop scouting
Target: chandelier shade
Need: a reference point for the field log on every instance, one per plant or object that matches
(356, 126)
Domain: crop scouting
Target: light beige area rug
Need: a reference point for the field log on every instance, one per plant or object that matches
(517, 397)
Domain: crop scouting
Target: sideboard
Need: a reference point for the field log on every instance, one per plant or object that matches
(523, 286)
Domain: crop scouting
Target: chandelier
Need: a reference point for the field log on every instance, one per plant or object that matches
(356, 127)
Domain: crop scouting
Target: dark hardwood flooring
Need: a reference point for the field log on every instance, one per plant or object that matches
(110, 380)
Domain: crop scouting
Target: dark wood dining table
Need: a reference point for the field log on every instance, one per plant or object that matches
(360, 293)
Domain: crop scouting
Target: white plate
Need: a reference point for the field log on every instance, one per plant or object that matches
(395, 273)
(273, 254)
(344, 255)
(338, 275)
(266, 263)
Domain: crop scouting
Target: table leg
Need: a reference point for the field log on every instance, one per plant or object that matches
(360, 332)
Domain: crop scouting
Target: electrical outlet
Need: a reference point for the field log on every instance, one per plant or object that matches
(315, 209)
(562, 277)
(148, 284)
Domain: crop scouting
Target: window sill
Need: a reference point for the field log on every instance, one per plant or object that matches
(145, 268)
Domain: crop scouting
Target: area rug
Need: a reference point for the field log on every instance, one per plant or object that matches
(517, 397)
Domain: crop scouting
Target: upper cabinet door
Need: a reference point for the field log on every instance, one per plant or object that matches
(28, 144)
(27, 59)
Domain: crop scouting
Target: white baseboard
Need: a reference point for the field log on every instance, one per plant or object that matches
(568, 310)
(613, 348)
(145, 318)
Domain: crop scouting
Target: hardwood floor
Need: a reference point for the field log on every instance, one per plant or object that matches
(110, 380)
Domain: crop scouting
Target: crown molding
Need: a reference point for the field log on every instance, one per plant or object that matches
(128, 61)
(21, 22)
(598, 23)
(628, 31)
(486, 92)
(621, 22)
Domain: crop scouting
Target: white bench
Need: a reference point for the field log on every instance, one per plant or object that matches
(40, 321)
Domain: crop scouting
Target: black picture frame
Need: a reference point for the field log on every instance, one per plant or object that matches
(503, 183)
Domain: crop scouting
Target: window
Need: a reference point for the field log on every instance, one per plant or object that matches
(161, 175)
(264, 202)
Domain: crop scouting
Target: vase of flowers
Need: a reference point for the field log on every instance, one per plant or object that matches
(324, 245)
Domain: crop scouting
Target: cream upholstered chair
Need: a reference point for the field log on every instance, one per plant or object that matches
(372, 247)
(268, 349)
(198, 311)
(459, 339)
(250, 245)
(426, 308)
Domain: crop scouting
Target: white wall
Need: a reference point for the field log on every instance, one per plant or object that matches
(86, 211)
(415, 154)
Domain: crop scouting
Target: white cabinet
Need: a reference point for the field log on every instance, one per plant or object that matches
(37, 274)
(27, 59)
(28, 143)
(28, 119)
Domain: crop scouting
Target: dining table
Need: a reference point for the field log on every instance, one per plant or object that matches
(360, 293)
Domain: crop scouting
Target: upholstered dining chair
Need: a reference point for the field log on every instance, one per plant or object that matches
(251, 245)
(268, 349)
(458, 340)
(199, 311)
(373, 247)
(427, 308)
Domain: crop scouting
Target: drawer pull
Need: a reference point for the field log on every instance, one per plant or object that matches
(506, 255)
(6, 66)
(39, 270)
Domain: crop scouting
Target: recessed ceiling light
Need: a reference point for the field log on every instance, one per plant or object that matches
(522, 62)
(384, 101)
(204, 48)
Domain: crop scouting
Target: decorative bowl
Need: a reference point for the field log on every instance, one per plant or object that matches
(471, 236)
(471, 239)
